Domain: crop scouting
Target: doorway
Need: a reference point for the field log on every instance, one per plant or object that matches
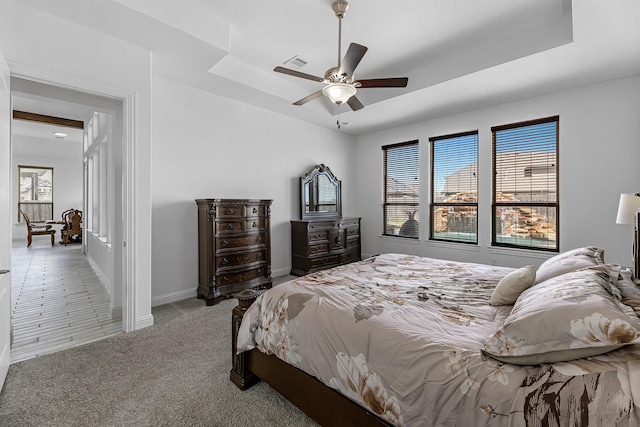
(73, 275)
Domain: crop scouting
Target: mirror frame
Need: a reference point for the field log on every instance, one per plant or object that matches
(319, 170)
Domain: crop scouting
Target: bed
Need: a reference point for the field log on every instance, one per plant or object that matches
(404, 340)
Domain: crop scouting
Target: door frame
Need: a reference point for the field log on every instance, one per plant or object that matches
(128, 99)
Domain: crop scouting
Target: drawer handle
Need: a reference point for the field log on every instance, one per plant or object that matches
(258, 255)
(255, 210)
(225, 279)
(229, 226)
(255, 224)
(339, 240)
(258, 239)
(224, 243)
(259, 272)
(225, 261)
(229, 211)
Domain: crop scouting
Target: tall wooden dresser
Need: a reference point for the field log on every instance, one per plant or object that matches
(323, 243)
(234, 246)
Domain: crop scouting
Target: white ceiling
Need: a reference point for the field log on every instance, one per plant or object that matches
(459, 55)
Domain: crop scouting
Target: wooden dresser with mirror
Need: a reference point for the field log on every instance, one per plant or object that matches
(322, 238)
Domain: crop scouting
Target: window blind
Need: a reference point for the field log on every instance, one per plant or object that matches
(525, 184)
(454, 187)
(401, 189)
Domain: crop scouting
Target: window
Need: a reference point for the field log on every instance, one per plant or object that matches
(454, 188)
(35, 187)
(525, 184)
(401, 187)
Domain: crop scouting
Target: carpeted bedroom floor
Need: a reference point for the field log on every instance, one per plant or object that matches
(175, 373)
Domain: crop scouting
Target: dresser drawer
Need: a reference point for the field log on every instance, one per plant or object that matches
(230, 211)
(235, 242)
(242, 276)
(353, 242)
(322, 248)
(240, 259)
(319, 236)
(353, 231)
(323, 261)
(236, 226)
(256, 210)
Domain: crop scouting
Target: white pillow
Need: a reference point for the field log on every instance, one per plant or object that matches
(511, 286)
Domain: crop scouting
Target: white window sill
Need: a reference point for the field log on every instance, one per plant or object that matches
(529, 253)
(395, 239)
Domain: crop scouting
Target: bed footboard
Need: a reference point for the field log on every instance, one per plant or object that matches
(240, 375)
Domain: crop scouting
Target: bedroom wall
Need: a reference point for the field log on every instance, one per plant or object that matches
(207, 146)
(599, 148)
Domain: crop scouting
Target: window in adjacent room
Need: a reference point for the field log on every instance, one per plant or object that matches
(35, 189)
(401, 188)
(525, 184)
(454, 188)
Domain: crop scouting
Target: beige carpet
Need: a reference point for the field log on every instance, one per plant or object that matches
(173, 374)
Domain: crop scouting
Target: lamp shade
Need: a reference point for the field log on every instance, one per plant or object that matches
(339, 93)
(629, 205)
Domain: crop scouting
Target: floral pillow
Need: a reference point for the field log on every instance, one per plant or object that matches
(575, 315)
(570, 261)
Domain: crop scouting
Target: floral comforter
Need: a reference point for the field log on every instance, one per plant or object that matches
(402, 335)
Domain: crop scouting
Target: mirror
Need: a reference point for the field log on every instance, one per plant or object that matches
(320, 194)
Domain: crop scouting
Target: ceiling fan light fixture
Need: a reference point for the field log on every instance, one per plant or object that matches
(339, 93)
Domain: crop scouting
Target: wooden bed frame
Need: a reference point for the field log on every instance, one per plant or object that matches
(320, 402)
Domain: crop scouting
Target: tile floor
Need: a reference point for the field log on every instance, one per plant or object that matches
(58, 301)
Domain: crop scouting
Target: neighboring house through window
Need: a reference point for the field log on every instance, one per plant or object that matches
(454, 188)
(35, 189)
(525, 184)
(401, 188)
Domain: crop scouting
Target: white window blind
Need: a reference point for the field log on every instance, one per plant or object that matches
(525, 184)
(401, 188)
(454, 187)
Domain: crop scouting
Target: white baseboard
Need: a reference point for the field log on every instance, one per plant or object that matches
(116, 313)
(173, 297)
(191, 293)
(281, 272)
(144, 322)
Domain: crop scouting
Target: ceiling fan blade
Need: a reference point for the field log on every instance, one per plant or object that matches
(352, 59)
(355, 103)
(298, 74)
(309, 98)
(390, 82)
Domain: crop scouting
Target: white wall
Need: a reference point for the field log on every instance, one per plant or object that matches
(599, 150)
(206, 146)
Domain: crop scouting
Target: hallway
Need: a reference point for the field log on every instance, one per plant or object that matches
(58, 300)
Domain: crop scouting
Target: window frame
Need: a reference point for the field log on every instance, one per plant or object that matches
(385, 200)
(550, 205)
(433, 205)
(29, 212)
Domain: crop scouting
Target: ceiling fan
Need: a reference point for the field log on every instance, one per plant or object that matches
(341, 85)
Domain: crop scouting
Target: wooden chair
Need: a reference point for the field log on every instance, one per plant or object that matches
(38, 230)
(72, 227)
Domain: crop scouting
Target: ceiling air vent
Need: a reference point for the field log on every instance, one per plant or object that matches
(296, 62)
